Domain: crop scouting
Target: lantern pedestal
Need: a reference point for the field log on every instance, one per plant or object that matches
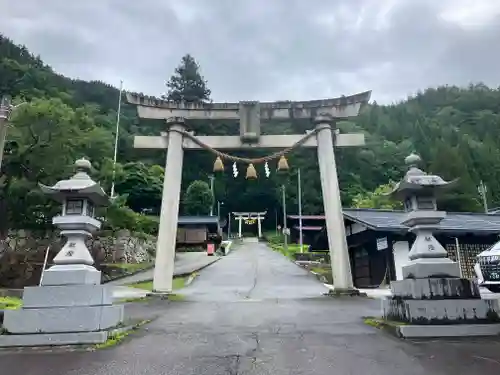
(70, 306)
(434, 300)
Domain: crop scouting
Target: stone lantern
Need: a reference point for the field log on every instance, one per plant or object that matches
(432, 299)
(79, 196)
(70, 306)
(419, 192)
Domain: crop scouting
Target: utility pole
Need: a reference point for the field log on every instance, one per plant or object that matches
(212, 178)
(5, 109)
(285, 229)
(300, 211)
(219, 203)
(117, 131)
(482, 189)
(276, 220)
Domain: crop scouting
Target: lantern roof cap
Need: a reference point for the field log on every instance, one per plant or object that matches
(416, 181)
(79, 185)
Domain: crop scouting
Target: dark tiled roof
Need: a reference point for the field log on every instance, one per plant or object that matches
(387, 220)
(307, 217)
(308, 227)
(198, 220)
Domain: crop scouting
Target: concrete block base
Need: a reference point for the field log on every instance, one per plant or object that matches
(351, 292)
(441, 312)
(53, 339)
(63, 319)
(67, 296)
(71, 274)
(456, 330)
(431, 268)
(435, 288)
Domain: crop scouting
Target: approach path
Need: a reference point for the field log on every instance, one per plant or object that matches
(256, 313)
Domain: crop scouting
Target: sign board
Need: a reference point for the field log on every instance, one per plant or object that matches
(286, 231)
(382, 243)
(210, 249)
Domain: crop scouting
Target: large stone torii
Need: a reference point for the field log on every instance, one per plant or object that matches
(321, 113)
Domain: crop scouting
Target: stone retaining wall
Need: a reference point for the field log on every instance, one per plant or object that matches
(22, 252)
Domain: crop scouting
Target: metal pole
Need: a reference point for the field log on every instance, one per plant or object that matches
(44, 264)
(228, 225)
(300, 211)
(211, 178)
(276, 220)
(458, 256)
(218, 209)
(116, 139)
(5, 109)
(483, 190)
(284, 217)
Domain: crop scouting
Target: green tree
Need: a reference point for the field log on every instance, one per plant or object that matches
(143, 185)
(46, 136)
(187, 84)
(377, 199)
(454, 129)
(198, 199)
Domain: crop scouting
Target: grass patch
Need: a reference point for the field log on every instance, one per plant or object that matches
(115, 338)
(176, 297)
(130, 267)
(131, 300)
(177, 283)
(389, 326)
(10, 303)
(146, 285)
(325, 272)
(289, 252)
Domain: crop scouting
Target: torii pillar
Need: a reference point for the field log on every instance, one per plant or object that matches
(323, 114)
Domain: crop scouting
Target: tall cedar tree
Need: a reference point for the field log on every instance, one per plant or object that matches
(198, 198)
(187, 84)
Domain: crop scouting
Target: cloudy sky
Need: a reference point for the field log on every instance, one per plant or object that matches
(266, 49)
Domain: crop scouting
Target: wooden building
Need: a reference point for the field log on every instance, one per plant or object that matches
(198, 231)
(312, 225)
(379, 244)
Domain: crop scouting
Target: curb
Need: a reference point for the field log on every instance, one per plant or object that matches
(190, 279)
(182, 274)
(128, 275)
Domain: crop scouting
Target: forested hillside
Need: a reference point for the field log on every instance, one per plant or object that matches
(455, 130)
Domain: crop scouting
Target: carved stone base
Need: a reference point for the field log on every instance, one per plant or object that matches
(431, 268)
(71, 274)
(450, 311)
(456, 330)
(435, 288)
(351, 292)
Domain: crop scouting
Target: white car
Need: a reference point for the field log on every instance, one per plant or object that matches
(487, 268)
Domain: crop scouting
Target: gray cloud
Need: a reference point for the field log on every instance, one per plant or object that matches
(266, 50)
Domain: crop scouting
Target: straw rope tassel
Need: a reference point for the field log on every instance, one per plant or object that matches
(251, 172)
(218, 165)
(283, 164)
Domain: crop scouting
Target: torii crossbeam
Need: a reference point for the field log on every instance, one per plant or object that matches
(179, 117)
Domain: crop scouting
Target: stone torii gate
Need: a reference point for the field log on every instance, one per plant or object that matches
(179, 116)
(259, 216)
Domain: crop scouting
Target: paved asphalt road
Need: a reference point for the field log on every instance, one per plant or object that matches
(255, 313)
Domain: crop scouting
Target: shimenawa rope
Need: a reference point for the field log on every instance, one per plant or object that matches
(263, 159)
